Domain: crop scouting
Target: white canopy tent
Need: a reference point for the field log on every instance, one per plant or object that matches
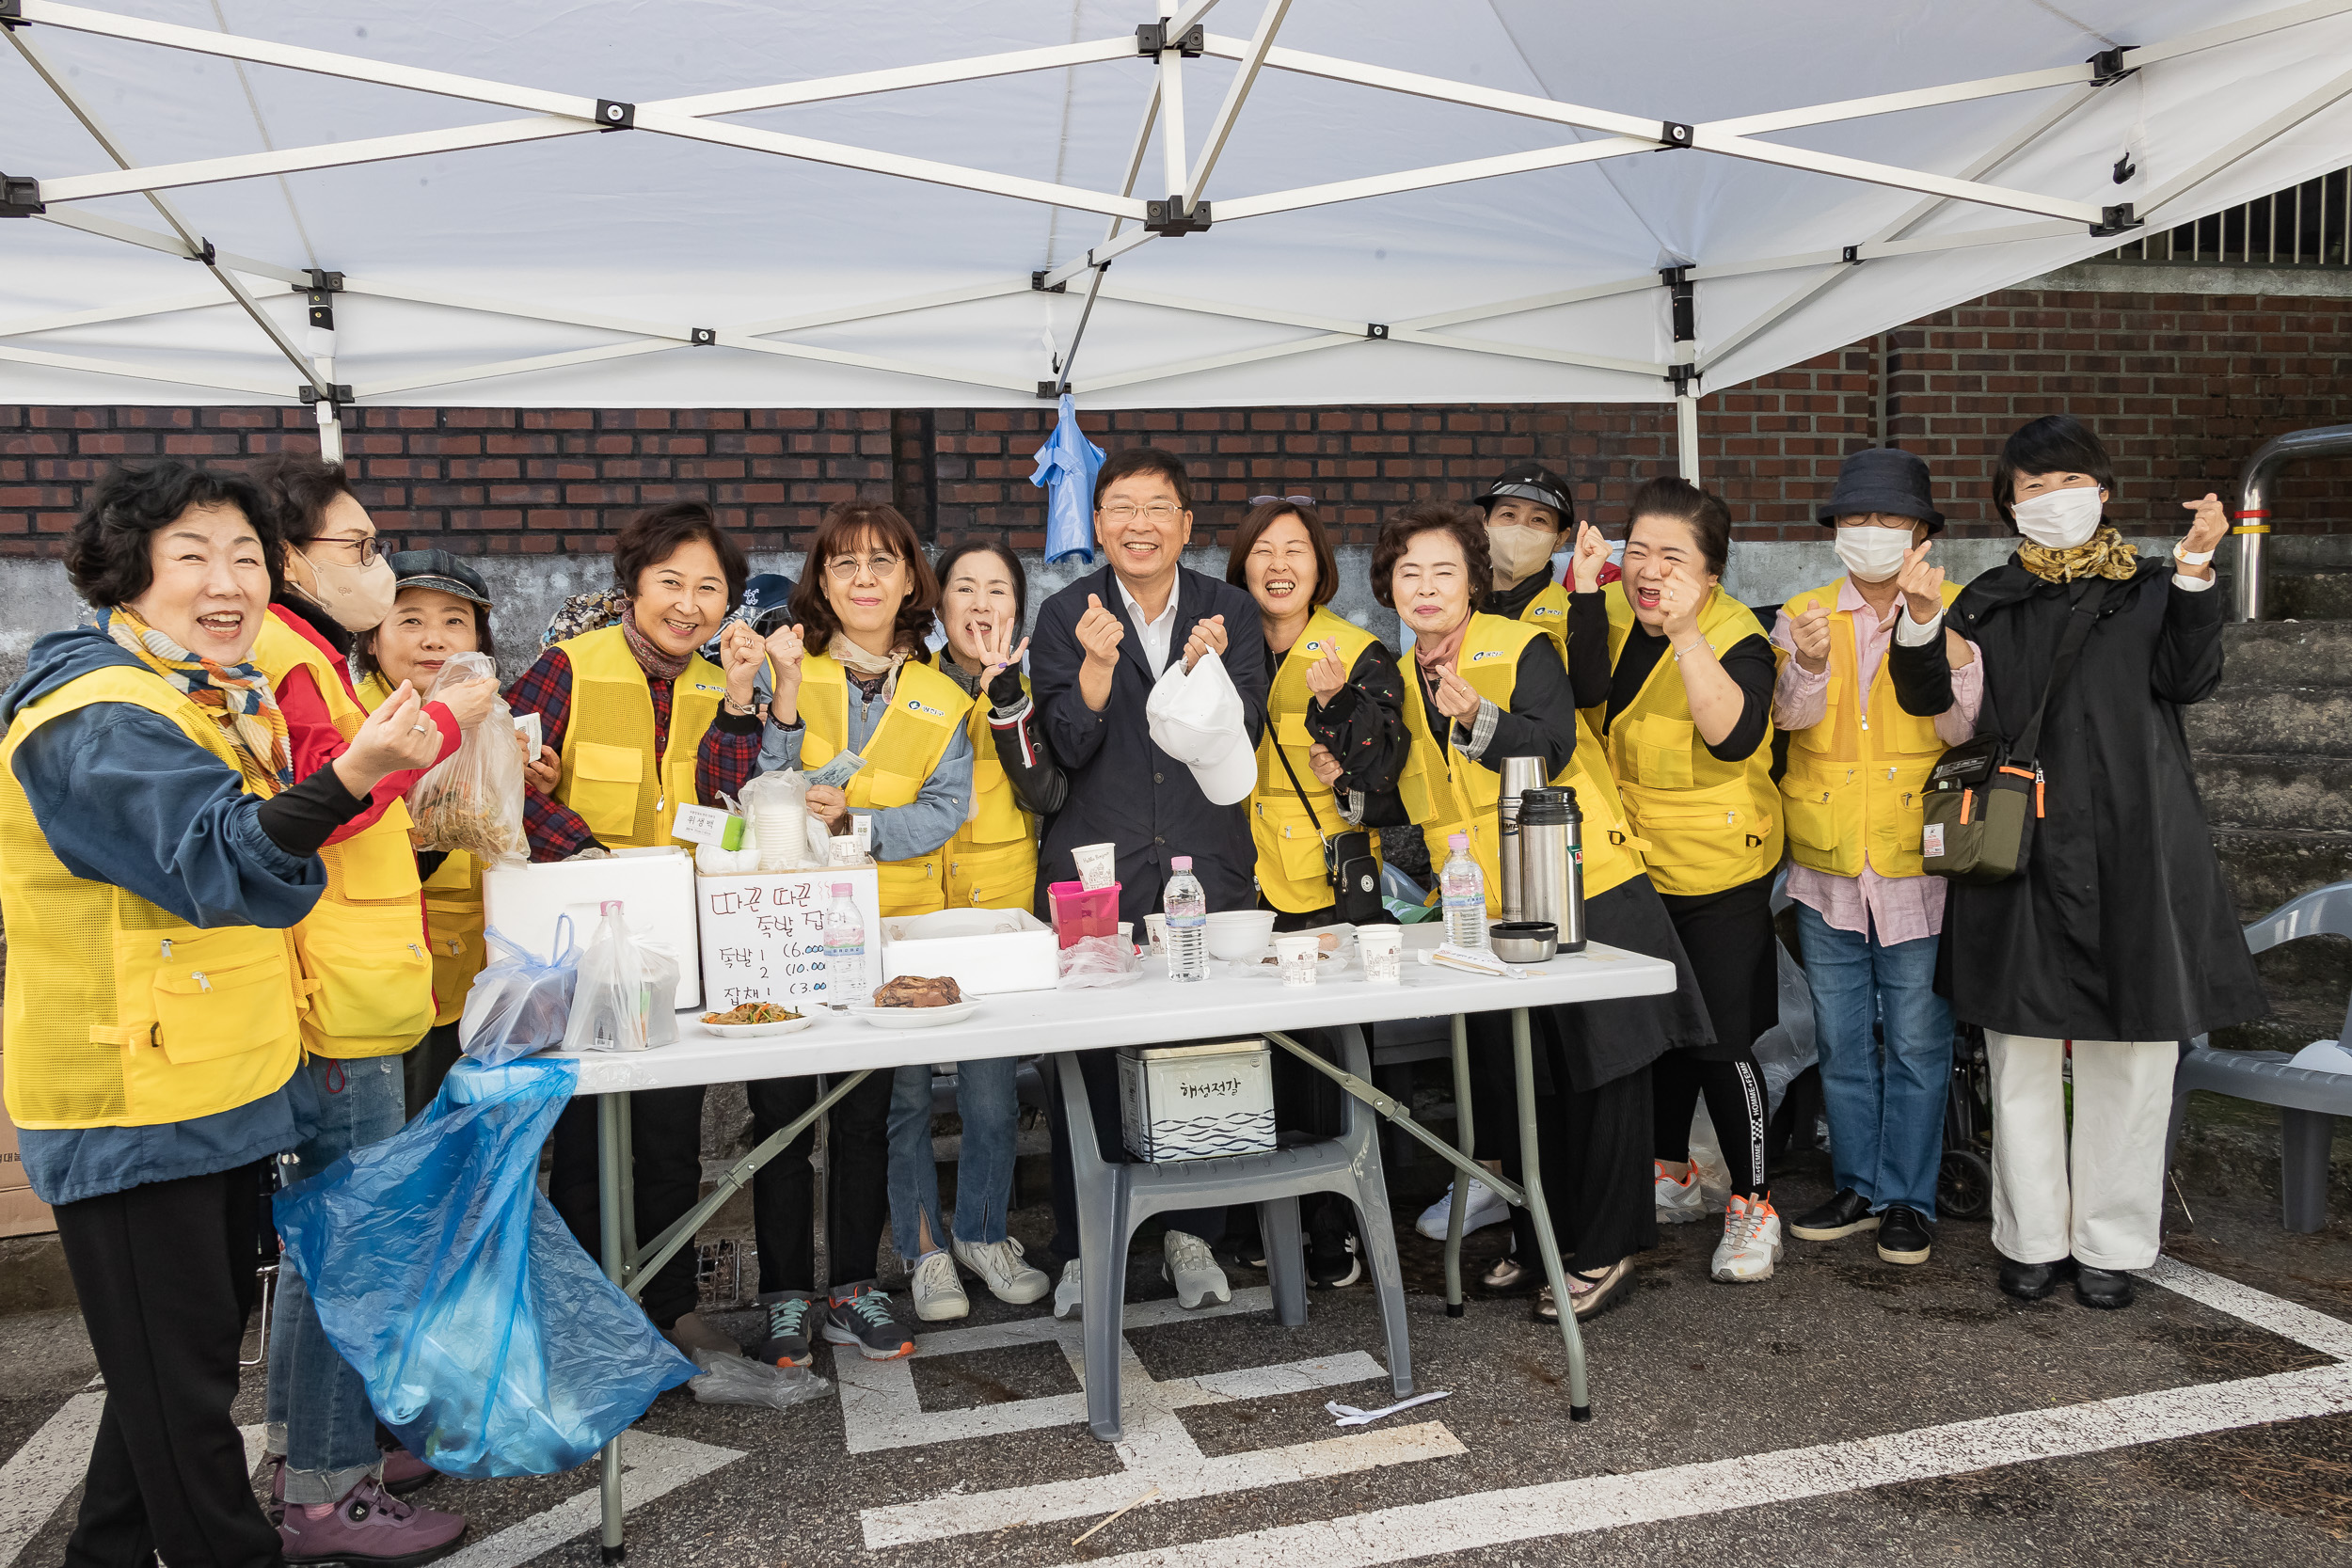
(844, 204)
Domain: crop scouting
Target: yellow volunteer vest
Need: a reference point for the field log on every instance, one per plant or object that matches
(621, 787)
(1710, 825)
(1548, 610)
(362, 948)
(1447, 793)
(118, 1012)
(992, 862)
(452, 906)
(1854, 782)
(925, 711)
(1290, 851)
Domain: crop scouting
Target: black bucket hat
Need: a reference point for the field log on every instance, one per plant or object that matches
(1532, 481)
(442, 570)
(1886, 480)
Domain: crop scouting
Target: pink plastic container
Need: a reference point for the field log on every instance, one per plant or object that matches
(1078, 913)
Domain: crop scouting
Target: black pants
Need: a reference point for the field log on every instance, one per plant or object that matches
(857, 1183)
(427, 1064)
(665, 1132)
(1594, 1146)
(165, 1274)
(1734, 954)
(1099, 1069)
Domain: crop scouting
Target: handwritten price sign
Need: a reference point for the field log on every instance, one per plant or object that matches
(763, 936)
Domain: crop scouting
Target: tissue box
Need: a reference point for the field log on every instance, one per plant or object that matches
(763, 937)
(984, 951)
(1198, 1101)
(655, 885)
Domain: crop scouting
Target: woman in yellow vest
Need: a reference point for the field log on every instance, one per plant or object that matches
(1867, 915)
(641, 723)
(440, 609)
(1334, 739)
(851, 677)
(155, 852)
(1688, 717)
(1482, 689)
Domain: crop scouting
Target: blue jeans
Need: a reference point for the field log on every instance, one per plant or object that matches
(318, 1411)
(990, 1109)
(1886, 1119)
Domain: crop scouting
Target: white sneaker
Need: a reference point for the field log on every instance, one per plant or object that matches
(938, 1294)
(1750, 1244)
(1067, 1300)
(1680, 1200)
(1485, 1208)
(1186, 1263)
(1003, 1269)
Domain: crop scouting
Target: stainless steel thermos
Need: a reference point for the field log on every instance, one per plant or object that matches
(1519, 775)
(1551, 862)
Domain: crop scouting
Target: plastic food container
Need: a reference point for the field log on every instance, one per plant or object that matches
(1080, 911)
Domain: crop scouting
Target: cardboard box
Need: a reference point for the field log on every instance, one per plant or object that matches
(656, 887)
(20, 1213)
(1200, 1102)
(763, 937)
(985, 951)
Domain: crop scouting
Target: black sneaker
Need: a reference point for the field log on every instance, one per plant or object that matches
(863, 1316)
(792, 1317)
(2033, 1281)
(1842, 1215)
(1334, 1263)
(1905, 1235)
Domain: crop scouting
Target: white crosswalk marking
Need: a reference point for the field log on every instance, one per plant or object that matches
(44, 1472)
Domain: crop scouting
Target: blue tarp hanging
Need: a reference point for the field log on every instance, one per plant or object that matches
(1066, 465)
(489, 1341)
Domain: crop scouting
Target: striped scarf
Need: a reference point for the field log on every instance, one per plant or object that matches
(237, 696)
(2105, 554)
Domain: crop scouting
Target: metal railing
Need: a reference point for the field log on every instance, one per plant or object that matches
(2253, 516)
(2305, 225)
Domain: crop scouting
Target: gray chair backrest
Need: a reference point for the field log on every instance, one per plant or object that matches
(2322, 913)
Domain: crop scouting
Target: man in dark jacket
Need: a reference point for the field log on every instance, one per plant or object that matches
(1099, 647)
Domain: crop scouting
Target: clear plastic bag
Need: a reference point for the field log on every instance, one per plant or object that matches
(489, 1342)
(1100, 962)
(627, 997)
(474, 800)
(520, 1003)
(738, 1380)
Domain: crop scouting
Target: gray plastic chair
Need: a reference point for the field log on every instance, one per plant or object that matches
(2309, 1102)
(1114, 1200)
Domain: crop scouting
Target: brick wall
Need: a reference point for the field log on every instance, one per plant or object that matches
(2183, 387)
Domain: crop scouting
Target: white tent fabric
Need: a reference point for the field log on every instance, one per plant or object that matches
(872, 241)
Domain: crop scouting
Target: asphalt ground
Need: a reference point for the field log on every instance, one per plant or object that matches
(1845, 1411)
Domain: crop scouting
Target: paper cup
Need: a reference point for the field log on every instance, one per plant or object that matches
(1299, 958)
(1098, 865)
(1155, 932)
(1382, 948)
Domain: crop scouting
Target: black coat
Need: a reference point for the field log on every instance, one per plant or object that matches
(1124, 790)
(2121, 928)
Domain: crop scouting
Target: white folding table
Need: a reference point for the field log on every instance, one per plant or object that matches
(1154, 1010)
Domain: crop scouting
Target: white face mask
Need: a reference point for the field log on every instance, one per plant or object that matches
(1872, 554)
(2059, 519)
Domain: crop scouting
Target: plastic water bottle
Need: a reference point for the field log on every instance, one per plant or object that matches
(844, 949)
(1187, 908)
(1465, 893)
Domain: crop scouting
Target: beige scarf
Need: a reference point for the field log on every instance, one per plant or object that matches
(2105, 554)
(851, 657)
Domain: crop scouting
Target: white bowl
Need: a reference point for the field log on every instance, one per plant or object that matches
(1239, 933)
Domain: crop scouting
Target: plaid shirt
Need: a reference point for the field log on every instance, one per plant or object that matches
(722, 765)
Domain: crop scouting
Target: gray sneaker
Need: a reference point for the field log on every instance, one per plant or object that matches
(792, 1319)
(863, 1316)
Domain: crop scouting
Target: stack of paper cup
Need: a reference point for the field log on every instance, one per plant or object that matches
(782, 833)
(1098, 865)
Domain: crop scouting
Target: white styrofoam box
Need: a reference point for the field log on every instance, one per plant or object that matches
(763, 937)
(655, 885)
(984, 951)
(1200, 1102)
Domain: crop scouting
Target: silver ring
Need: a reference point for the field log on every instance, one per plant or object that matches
(420, 728)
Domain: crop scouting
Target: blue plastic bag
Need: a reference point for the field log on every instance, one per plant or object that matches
(488, 1340)
(1066, 467)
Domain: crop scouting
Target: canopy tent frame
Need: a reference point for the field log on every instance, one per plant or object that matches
(1179, 35)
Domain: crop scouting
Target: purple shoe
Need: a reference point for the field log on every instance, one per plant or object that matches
(403, 1472)
(371, 1528)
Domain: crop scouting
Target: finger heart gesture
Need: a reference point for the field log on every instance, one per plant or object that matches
(1921, 585)
(1326, 676)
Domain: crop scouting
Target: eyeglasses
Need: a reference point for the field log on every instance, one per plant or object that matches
(364, 544)
(1158, 512)
(1294, 501)
(846, 566)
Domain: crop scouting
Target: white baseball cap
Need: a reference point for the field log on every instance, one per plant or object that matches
(1197, 719)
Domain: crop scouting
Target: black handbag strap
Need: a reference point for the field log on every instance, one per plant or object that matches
(1312, 817)
(2078, 623)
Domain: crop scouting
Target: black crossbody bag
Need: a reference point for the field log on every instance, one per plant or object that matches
(1985, 795)
(1349, 866)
